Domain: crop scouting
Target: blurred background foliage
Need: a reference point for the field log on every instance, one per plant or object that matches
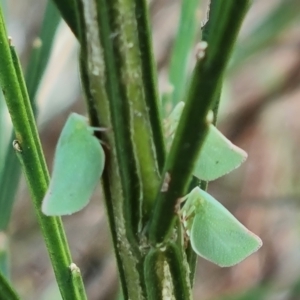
(259, 112)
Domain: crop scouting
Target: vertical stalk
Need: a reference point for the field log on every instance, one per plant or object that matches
(226, 18)
(6, 290)
(29, 151)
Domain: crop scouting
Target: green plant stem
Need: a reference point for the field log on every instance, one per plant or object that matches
(29, 152)
(153, 274)
(166, 272)
(6, 290)
(9, 179)
(67, 9)
(101, 73)
(119, 90)
(4, 255)
(150, 79)
(226, 18)
(10, 173)
(262, 35)
(182, 47)
(128, 69)
(41, 50)
(179, 271)
(27, 104)
(76, 278)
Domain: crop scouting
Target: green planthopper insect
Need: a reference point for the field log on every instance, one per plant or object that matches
(78, 165)
(215, 234)
(218, 156)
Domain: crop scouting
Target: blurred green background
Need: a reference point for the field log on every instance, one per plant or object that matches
(260, 112)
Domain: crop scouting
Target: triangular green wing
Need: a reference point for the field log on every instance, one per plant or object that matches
(78, 166)
(218, 236)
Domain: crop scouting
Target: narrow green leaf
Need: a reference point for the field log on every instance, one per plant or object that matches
(41, 50)
(172, 121)
(266, 31)
(184, 40)
(6, 290)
